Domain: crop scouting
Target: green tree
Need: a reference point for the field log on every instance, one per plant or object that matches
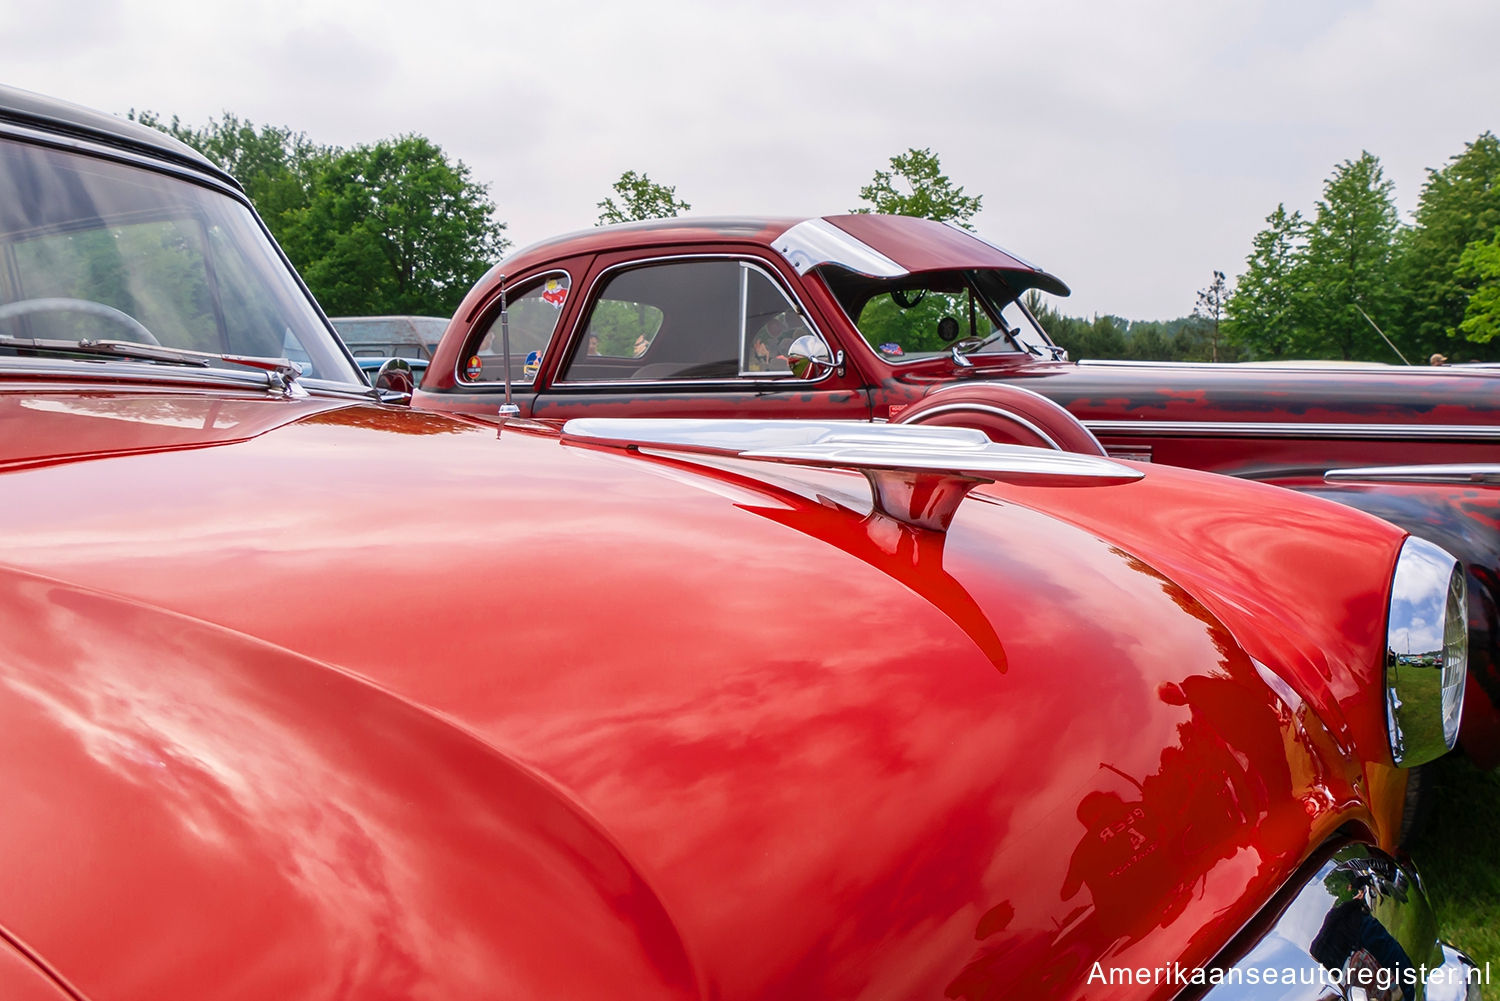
(1459, 208)
(640, 198)
(1349, 276)
(923, 191)
(394, 227)
(275, 165)
(1260, 315)
(1480, 264)
(1210, 308)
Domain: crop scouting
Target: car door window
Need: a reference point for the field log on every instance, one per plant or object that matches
(687, 319)
(532, 316)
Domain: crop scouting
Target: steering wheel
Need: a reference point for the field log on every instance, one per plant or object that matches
(906, 299)
(24, 307)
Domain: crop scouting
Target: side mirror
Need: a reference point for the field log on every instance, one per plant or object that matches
(959, 352)
(395, 381)
(808, 358)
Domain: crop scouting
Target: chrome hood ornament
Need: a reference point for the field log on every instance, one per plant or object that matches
(918, 475)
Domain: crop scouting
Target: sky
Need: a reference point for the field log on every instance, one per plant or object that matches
(1129, 148)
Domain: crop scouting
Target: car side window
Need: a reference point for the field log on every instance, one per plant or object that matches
(532, 316)
(686, 319)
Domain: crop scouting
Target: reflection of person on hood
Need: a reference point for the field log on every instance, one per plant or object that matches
(1355, 944)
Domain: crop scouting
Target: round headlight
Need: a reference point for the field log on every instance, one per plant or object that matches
(1427, 653)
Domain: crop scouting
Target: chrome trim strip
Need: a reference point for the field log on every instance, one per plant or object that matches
(90, 370)
(813, 242)
(1304, 365)
(1458, 473)
(1014, 418)
(1359, 926)
(579, 326)
(1255, 429)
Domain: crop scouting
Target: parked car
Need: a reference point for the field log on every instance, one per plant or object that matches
(411, 337)
(885, 318)
(703, 709)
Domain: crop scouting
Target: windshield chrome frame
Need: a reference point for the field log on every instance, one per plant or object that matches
(85, 144)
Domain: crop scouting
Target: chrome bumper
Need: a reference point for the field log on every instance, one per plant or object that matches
(1359, 928)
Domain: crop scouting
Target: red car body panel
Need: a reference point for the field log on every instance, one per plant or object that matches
(1284, 425)
(874, 794)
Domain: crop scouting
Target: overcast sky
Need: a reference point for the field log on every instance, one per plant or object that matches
(1130, 148)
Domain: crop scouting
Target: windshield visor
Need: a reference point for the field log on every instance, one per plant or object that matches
(92, 248)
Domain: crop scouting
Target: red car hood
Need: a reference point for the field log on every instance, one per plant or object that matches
(642, 721)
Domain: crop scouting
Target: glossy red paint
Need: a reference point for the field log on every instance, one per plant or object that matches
(1280, 424)
(306, 696)
(875, 793)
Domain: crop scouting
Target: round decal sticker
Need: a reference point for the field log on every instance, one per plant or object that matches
(474, 369)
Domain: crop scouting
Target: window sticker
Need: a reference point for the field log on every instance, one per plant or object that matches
(533, 362)
(475, 368)
(555, 292)
(891, 348)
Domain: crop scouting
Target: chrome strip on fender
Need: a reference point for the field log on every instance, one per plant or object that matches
(1252, 429)
(1478, 473)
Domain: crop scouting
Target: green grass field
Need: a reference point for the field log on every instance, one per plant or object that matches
(1458, 855)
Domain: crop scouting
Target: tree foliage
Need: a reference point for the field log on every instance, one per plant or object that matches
(392, 227)
(1210, 308)
(1187, 338)
(640, 198)
(1349, 280)
(1260, 315)
(916, 186)
(275, 165)
(1480, 264)
(1459, 210)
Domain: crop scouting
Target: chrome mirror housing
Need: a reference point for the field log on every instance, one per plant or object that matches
(808, 358)
(395, 381)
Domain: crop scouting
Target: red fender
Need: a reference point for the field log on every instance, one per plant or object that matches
(1008, 414)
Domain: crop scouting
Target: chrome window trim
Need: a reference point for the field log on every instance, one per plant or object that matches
(758, 378)
(1255, 429)
(458, 363)
(129, 155)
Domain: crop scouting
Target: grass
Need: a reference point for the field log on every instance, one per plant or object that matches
(1458, 855)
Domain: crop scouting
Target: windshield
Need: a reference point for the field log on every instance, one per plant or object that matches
(924, 315)
(91, 248)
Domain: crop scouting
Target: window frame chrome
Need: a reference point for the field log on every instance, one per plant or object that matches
(761, 378)
(486, 322)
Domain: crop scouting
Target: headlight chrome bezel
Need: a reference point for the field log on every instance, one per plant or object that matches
(1427, 653)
